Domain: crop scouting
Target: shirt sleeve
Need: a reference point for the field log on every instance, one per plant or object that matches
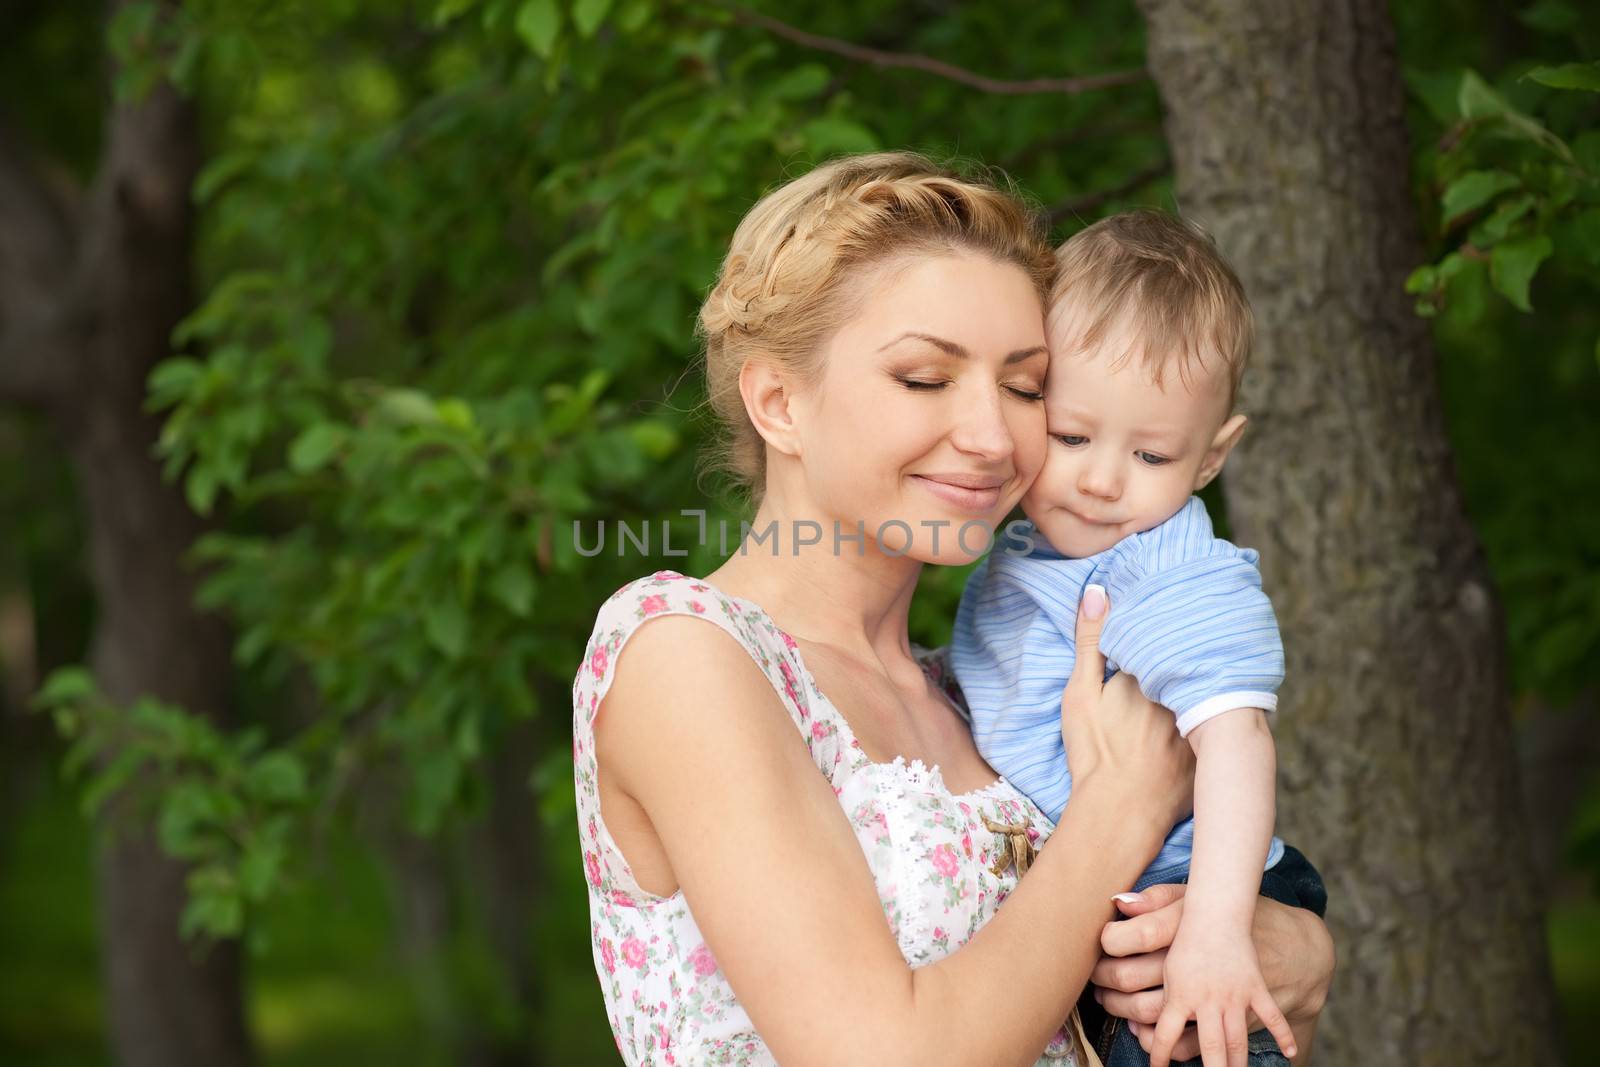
(1190, 621)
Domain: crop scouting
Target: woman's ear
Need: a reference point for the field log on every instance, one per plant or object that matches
(1217, 454)
(768, 398)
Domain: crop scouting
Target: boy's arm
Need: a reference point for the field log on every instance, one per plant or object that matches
(1234, 802)
(1211, 972)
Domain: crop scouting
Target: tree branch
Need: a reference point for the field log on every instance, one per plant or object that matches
(878, 57)
(1074, 205)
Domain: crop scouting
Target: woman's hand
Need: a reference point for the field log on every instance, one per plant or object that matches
(1115, 737)
(1292, 945)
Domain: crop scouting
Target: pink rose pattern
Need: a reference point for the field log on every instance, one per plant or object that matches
(665, 994)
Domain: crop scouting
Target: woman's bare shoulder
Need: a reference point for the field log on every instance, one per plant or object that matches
(680, 684)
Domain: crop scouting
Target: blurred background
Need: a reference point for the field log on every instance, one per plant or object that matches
(322, 321)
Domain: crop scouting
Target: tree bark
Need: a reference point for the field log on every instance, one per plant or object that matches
(1398, 773)
(90, 290)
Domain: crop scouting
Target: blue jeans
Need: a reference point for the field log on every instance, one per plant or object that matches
(1293, 881)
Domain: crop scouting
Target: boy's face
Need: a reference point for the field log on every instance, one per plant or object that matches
(1124, 453)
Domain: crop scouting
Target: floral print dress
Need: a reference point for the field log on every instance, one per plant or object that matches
(929, 850)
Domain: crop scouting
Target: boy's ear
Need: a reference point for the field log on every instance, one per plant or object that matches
(767, 402)
(1217, 453)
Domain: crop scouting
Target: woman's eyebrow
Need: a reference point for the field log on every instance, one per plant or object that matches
(954, 349)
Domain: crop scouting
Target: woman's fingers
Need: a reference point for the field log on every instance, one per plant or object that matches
(1141, 1007)
(1152, 899)
(1143, 933)
(1130, 974)
(1081, 733)
(1090, 669)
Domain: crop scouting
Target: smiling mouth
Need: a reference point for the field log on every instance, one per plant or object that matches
(977, 500)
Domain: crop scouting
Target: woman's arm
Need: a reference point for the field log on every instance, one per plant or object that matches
(693, 731)
(1292, 944)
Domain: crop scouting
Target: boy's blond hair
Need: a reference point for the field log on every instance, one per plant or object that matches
(1164, 275)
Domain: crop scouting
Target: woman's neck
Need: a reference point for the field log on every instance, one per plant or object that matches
(857, 600)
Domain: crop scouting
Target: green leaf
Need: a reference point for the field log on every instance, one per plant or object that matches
(277, 778)
(634, 14)
(315, 446)
(260, 867)
(1551, 16)
(1493, 229)
(587, 15)
(201, 489)
(1476, 98)
(801, 83)
(655, 439)
(539, 24)
(1513, 265)
(66, 685)
(408, 406)
(445, 10)
(831, 135)
(446, 626)
(1473, 190)
(172, 379)
(513, 587)
(1568, 76)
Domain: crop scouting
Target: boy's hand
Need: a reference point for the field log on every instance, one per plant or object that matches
(1213, 978)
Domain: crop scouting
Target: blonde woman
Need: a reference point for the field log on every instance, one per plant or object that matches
(795, 853)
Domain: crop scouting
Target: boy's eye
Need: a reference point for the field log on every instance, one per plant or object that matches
(1071, 440)
(1152, 459)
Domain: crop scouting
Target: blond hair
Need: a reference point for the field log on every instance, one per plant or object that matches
(1164, 276)
(792, 275)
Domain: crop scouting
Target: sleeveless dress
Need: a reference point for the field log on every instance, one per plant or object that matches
(928, 849)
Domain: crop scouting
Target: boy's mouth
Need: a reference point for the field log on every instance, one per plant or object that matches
(1090, 521)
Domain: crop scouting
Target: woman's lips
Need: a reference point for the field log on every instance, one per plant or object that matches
(974, 500)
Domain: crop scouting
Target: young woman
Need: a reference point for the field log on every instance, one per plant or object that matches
(795, 853)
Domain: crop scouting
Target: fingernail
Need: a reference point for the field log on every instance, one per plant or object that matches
(1094, 601)
(1127, 898)
(1099, 997)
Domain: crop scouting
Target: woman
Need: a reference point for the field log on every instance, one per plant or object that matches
(801, 855)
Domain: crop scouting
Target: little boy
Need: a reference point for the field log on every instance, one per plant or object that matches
(1149, 331)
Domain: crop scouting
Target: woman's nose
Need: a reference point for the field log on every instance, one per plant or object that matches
(983, 430)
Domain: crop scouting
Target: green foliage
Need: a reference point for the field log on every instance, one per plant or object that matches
(452, 263)
(1510, 168)
(1510, 183)
(225, 803)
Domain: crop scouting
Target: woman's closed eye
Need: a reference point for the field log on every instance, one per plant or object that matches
(919, 385)
(914, 383)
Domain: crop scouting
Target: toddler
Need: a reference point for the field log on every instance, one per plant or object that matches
(1149, 332)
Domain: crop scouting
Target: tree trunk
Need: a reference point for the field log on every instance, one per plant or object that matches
(90, 289)
(1398, 773)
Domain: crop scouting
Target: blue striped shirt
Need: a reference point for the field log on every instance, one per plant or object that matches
(1188, 620)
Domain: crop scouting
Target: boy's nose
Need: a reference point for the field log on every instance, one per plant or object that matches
(1100, 479)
